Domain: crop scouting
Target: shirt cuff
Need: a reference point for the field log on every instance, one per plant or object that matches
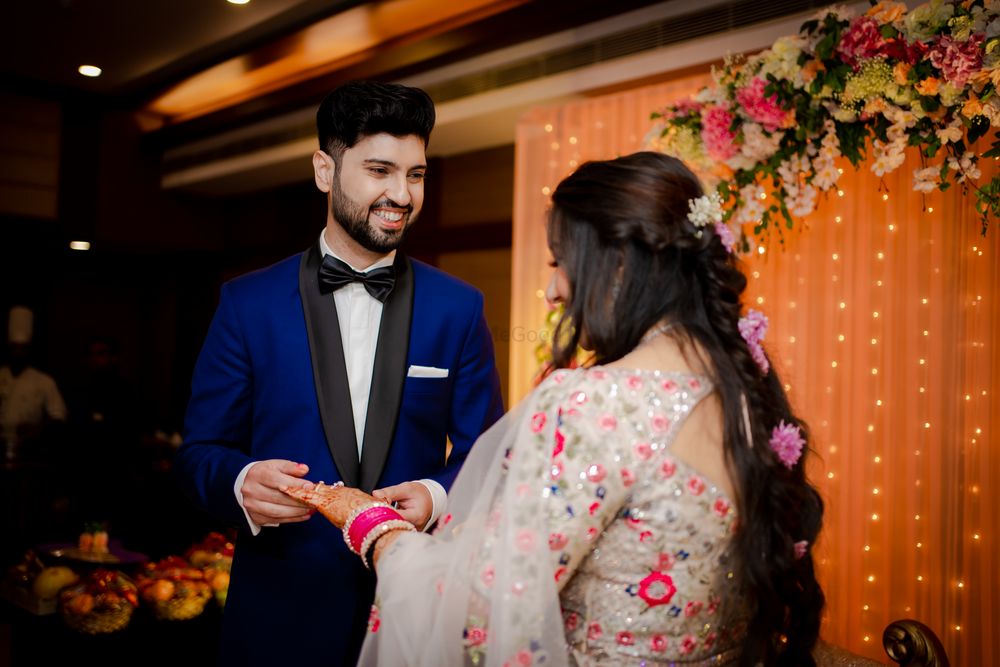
(238, 490)
(439, 500)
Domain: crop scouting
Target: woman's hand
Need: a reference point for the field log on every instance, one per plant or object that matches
(334, 502)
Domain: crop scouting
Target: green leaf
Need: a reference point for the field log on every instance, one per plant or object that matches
(978, 128)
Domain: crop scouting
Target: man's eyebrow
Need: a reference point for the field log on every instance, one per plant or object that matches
(390, 163)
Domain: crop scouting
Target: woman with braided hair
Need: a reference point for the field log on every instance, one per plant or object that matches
(650, 509)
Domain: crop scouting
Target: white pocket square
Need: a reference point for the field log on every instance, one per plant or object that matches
(426, 372)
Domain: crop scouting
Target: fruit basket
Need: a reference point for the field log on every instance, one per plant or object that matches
(102, 603)
(174, 590)
(214, 556)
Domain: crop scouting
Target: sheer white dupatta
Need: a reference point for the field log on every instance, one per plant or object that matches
(481, 591)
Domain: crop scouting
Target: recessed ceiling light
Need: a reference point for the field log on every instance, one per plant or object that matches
(89, 70)
(238, 2)
(79, 245)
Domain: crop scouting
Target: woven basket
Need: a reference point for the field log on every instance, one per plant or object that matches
(100, 622)
(183, 608)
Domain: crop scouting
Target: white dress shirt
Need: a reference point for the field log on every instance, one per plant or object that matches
(360, 318)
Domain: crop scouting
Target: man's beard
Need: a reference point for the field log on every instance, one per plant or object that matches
(354, 220)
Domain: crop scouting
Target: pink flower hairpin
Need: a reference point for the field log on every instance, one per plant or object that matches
(753, 328)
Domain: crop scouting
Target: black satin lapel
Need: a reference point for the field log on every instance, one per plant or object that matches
(388, 375)
(329, 369)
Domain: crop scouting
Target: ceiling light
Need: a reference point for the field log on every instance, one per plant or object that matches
(89, 70)
(238, 2)
(79, 245)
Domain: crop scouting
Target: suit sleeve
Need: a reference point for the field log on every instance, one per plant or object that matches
(476, 401)
(217, 424)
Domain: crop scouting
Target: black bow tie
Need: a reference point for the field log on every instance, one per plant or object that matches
(334, 274)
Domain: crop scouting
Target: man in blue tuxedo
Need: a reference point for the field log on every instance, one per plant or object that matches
(348, 362)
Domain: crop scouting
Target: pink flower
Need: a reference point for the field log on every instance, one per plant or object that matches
(643, 450)
(786, 441)
(625, 638)
(538, 421)
(608, 422)
(692, 608)
(657, 643)
(688, 644)
(720, 507)
(761, 108)
(523, 658)
(685, 107)
(525, 540)
(475, 636)
(657, 588)
(596, 473)
(666, 561)
(861, 40)
(668, 468)
(669, 386)
(557, 541)
(720, 141)
(572, 621)
(487, 575)
(659, 423)
(560, 442)
(753, 328)
(628, 477)
(695, 485)
(726, 236)
(634, 382)
(958, 61)
(594, 631)
(801, 549)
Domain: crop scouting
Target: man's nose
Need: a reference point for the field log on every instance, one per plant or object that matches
(399, 191)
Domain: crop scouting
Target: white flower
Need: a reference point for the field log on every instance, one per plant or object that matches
(826, 175)
(965, 166)
(888, 156)
(927, 179)
(952, 133)
(753, 204)
(757, 146)
(705, 210)
(804, 202)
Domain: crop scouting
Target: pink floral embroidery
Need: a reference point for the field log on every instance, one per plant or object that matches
(713, 605)
(658, 643)
(688, 644)
(594, 506)
(594, 631)
(446, 519)
(659, 423)
(579, 398)
(560, 573)
(643, 450)
(373, 620)
(517, 588)
(633, 523)
(801, 549)
(523, 658)
(591, 534)
(523, 490)
(692, 608)
(475, 636)
(695, 485)
(786, 441)
(634, 382)
(525, 540)
(557, 470)
(557, 541)
(488, 575)
(666, 561)
(596, 473)
(668, 468)
(669, 386)
(710, 639)
(608, 422)
(560, 442)
(628, 477)
(657, 588)
(720, 507)
(625, 638)
(538, 421)
(645, 536)
(572, 621)
(598, 374)
(694, 384)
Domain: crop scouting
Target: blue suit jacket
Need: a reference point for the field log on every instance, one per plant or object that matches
(271, 382)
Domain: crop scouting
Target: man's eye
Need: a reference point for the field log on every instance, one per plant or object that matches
(381, 171)
(417, 176)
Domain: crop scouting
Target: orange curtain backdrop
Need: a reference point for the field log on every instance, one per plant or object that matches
(884, 326)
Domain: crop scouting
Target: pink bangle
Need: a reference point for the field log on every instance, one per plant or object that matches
(363, 520)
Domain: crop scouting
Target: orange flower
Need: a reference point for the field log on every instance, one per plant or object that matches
(811, 69)
(901, 71)
(973, 107)
(887, 11)
(874, 106)
(928, 86)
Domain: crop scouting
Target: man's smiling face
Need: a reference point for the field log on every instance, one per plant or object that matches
(378, 189)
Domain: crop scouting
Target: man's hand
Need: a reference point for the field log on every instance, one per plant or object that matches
(412, 499)
(263, 500)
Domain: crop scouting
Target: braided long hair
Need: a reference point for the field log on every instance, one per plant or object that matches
(619, 228)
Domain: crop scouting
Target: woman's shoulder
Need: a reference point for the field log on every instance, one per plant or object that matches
(578, 384)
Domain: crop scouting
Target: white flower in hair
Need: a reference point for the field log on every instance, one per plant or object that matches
(705, 210)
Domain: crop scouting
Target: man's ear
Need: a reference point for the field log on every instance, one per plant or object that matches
(324, 170)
